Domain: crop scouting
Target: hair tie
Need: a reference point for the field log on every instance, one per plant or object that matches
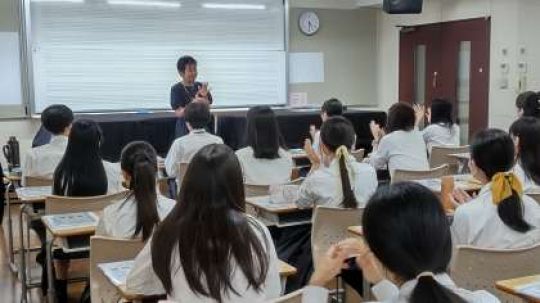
(342, 151)
(425, 274)
(503, 185)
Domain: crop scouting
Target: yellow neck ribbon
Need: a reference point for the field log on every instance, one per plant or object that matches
(503, 184)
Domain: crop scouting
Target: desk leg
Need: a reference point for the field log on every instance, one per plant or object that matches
(11, 250)
(51, 293)
(22, 253)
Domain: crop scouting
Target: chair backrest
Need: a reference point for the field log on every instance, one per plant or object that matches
(440, 156)
(62, 205)
(409, 175)
(329, 226)
(105, 250)
(182, 168)
(475, 268)
(37, 181)
(293, 297)
(358, 154)
(535, 196)
(256, 190)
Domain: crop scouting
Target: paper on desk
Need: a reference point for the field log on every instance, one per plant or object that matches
(33, 191)
(531, 290)
(117, 271)
(72, 220)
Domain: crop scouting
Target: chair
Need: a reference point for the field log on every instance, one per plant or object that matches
(535, 196)
(37, 181)
(104, 250)
(293, 297)
(476, 268)
(256, 190)
(440, 156)
(62, 205)
(330, 226)
(410, 175)
(182, 169)
(359, 154)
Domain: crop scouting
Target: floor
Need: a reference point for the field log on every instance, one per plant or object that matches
(10, 288)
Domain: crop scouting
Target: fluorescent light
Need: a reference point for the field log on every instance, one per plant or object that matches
(145, 3)
(233, 6)
(58, 1)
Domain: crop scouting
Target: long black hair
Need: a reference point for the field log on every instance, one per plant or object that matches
(407, 230)
(492, 150)
(400, 117)
(337, 131)
(208, 228)
(442, 112)
(527, 129)
(139, 161)
(81, 171)
(263, 134)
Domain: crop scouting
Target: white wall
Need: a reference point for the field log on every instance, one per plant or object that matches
(513, 24)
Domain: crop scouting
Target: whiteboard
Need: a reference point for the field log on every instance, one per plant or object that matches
(10, 69)
(306, 68)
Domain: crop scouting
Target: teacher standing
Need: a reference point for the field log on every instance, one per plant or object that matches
(187, 91)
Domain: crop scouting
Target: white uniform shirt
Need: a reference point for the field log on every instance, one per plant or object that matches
(323, 186)
(114, 177)
(185, 147)
(400, 150)
(440, 135)
(265, 171)
(142, 278)
(477, 223)
(41, 161)
(386, 291)
(527, 183)
(119, 219)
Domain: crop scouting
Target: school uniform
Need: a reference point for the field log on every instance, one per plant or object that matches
(527, 183)
(119, 219)
(114, 177)
(323, 186)
(142, 278)
(386, 291)
(441, 135)
(184, 148)
(41, 161)
(400, 150)
(265, 171)
(477, 223)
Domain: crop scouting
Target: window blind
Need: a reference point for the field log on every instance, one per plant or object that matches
(110, 55)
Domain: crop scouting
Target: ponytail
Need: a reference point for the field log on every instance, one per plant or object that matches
(349, 199)
(143, 185)
(507, 192)
(429, 290)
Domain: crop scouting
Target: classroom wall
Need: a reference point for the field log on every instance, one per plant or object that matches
(512, 27)
(347, 38)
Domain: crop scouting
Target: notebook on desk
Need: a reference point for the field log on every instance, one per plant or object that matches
(530, 290)
(117, 272)
(72, 220)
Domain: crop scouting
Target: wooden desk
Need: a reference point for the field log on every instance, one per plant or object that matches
(280, 215)
(514, 285)
(76, 230)
(356, 230)
(285, 271)
(464, 182)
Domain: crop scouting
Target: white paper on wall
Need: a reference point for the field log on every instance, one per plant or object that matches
(10, 70)
(306, 68)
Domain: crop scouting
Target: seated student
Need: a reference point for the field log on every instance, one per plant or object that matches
(339, 181)
(520, 102)
(197, 116)
(207, 249)
(42, 161)
(407, 234)
(143, 208)
(264, 161)
(526, 134)
(500, 216)
(330, 108)
(442, 131)
(402, 147)
(531, 105)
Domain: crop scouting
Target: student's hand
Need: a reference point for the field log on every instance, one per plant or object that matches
(459, 196)
(376, 130)
(419, 113)
(179, 112)
(328, 266)
(365, 259)
(311, 154)
(312, 131)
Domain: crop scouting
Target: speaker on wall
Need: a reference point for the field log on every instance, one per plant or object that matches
(403, 6)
